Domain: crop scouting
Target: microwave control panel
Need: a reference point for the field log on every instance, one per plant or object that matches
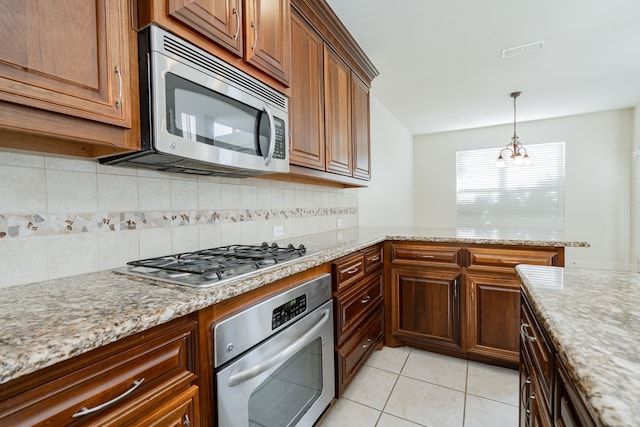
(288, 311)
(280, 151)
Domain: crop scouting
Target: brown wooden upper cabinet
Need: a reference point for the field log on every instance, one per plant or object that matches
(329, 105)
(337, 114)
(306, 110)
(66, 73)
(257, 30)
(360, 128)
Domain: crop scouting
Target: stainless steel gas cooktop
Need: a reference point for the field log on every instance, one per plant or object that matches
(209, 267)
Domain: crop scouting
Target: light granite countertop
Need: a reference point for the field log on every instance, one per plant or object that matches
(48, 322)
(593, 319)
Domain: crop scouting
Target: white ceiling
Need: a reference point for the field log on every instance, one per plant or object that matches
(441, 68)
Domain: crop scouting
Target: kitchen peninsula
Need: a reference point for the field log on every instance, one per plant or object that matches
(592, 321)
(42, 324)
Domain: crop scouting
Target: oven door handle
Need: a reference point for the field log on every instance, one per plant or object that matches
(272, 135)
(291, 349)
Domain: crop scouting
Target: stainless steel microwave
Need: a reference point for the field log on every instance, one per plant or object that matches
(200, 115)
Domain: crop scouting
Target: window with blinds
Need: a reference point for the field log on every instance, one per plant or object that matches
(513, 199)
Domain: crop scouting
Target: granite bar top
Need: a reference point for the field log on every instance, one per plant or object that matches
(593, 319)
(48, 322)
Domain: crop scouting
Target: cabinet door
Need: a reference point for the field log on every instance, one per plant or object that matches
(493, 316)
(220, 21)
(70, 57)
(337, 114)
(268, 37)
(306, 106)
(360, 128)
(426, 305)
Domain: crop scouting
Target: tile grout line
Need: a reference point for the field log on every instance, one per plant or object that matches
(398, 375)
(464, 403)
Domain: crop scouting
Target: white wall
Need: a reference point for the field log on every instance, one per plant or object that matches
(597, 179)
(389, 198)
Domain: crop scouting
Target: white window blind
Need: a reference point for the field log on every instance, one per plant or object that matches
(512, 199)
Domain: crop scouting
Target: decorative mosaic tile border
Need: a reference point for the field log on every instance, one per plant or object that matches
(57, 224)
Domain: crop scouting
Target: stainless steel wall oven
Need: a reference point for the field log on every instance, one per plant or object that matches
(274, 362)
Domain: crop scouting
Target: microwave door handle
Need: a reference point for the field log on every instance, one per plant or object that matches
(272, 135)
(291, 349)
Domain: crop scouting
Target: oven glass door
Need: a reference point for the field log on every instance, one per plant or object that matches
(286, 395)
(286, 381)
(199, 114)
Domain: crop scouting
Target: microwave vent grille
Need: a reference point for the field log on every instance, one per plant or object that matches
(220, 68)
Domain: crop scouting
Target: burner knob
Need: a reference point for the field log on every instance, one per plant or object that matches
(229, 347)
(264, 245)
(290, 246)
(301, 247)
(274, 245)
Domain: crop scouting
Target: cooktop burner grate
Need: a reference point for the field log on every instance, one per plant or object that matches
(209, 266)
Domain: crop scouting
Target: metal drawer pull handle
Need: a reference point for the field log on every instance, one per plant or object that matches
(374, 259)
(352, 270)
(427, 256)
(119, 100)
(524, 332)
(366, 345)
(87, 411)
(186, 421)
(366, 299)
(524, 386)
(235, 12)
(255, 36)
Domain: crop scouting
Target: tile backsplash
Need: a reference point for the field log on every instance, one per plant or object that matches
(60, 216)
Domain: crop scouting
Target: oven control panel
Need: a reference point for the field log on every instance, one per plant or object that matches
(287, 311)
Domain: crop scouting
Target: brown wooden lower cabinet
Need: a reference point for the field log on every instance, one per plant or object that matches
(358, 311)
(427, 308)
(143, 380)
(493, 302)
(461, 300)
(354, 351)
(548, 396)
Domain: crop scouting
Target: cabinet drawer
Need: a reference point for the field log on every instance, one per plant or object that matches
(354, 306)
(353, 353)
(449, 256)
(347, 271)
(181, 410)
(505, 260)
(372, 259)
(128, 379)
(540, 350)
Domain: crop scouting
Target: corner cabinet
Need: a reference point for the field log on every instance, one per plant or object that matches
(329, 102)
(253, 34)
(358, 310)
(424, 284)
(146, 379)
(68, 88)
(460, 300)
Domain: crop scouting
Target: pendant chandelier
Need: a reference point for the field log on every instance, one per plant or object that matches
(514, 149)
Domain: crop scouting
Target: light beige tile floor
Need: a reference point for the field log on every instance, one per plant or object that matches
(404, 387)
